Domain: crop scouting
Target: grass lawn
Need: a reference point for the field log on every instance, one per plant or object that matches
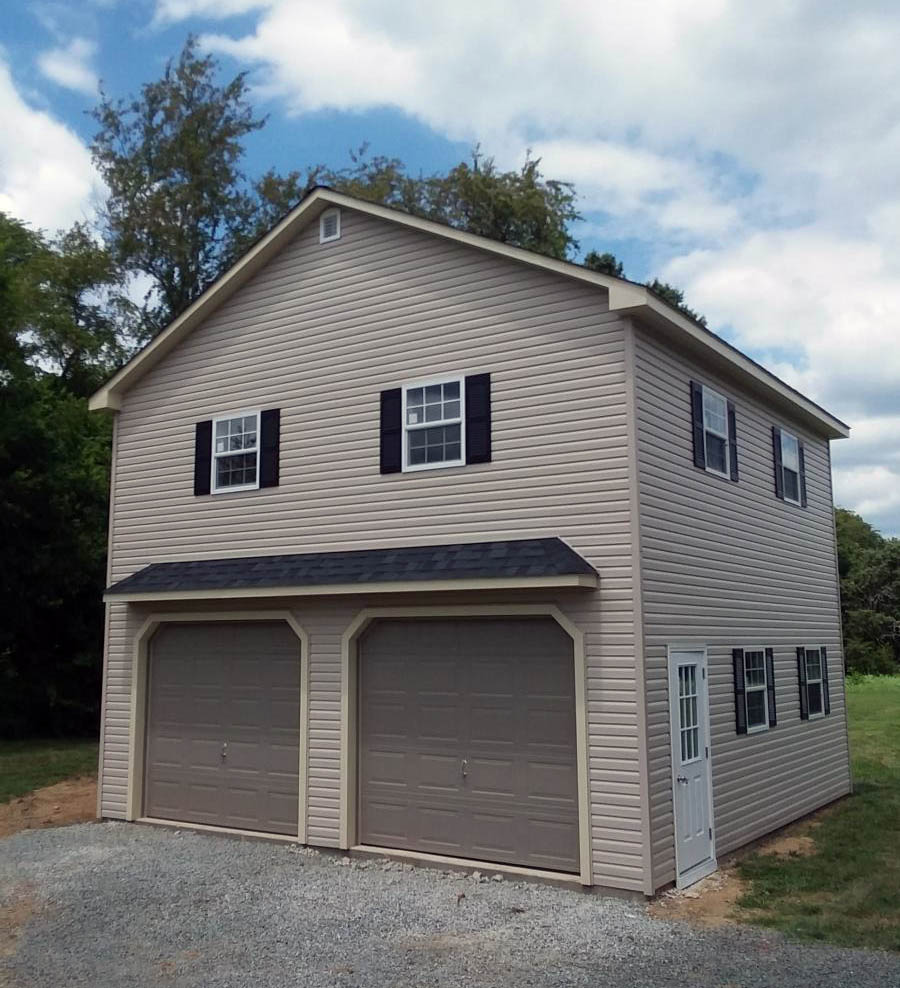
(848, 892)
(29, 765)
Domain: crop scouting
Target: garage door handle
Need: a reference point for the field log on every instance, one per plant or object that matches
(224, 749)
(464, 768)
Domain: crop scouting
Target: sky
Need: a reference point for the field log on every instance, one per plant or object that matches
(746, 152)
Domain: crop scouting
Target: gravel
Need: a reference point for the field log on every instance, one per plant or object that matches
(121, 905)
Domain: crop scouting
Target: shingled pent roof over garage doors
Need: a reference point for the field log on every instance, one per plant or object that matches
(547, 561)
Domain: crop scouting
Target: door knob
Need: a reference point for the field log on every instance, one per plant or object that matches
(682, 778)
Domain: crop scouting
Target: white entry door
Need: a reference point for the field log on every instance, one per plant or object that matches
(691, 771)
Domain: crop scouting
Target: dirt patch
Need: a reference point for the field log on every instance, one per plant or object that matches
(713, 901)
(19, 905)
(72, 801)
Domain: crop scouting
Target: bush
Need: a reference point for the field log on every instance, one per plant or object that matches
(868, 658)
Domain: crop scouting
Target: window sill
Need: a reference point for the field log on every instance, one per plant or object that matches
(420, 467)
(759, 729)
(235, 490)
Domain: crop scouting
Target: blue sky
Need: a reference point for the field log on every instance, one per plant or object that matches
(744, 152)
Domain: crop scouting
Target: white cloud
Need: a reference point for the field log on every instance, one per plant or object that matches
(70, 66)
(46, 175)
(751, 147)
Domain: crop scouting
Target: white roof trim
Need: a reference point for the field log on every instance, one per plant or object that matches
(624, 296)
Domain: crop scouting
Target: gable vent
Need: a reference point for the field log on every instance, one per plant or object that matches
(330, 226)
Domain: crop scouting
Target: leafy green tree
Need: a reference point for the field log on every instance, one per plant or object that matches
(521, 207)
(604, 264)
(179, 208)
(869, 566)
(54, 461)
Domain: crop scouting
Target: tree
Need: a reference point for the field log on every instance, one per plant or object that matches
(520, 207)
(869, 566)
(54, 460)
(179, 208)
(604, 264)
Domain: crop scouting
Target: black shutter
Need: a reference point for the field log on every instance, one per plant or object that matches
(779, 473)
(202, 457)
(732, 440)
(269, 441)
(391, 431)
(802, 473)
(478, 418)
(770, 685)
(697, 417)
(801, 679)
(740, 692)
(826, 699)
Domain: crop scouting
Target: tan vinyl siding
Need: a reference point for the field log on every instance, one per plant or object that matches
(319, 333)
(729, 565)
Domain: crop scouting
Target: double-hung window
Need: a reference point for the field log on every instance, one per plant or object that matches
(715, 432)
(815, 682)
(756, 690)
(433, 430)
(790, 467)
(235, 459)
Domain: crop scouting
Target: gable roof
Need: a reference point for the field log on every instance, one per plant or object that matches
(625, 297)
(542, 562)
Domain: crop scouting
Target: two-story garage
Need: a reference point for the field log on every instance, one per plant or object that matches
(427, 544)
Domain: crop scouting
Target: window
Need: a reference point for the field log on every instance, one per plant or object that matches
(433, 434)
(235, 459)
(790, 467)
(756, 690)
(690, 719)
(715, 432)
(330, 226)
(815, 682)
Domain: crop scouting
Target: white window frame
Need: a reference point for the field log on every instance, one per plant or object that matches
(764, 689)
(820, 681)
(335, 211)
(798, 501)
(727, 471)
(461, 421)
(216, 456)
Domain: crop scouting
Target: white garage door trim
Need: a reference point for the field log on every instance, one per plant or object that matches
(349, 682)
(137, 733)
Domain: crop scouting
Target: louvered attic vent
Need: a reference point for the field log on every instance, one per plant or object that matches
(330, 226)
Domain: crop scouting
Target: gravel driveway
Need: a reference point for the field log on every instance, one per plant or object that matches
(121, 905)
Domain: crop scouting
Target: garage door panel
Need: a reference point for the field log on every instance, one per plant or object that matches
(387, 720)
(492, 777)
(498, 694)
(438, 722)
(551, 781)
(234, 685)
(436, 774)
(493, 725)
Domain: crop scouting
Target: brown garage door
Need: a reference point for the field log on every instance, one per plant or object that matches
(223, 725)
(467, 740)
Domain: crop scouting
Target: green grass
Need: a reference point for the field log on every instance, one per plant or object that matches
(848, 891)
(29, 765)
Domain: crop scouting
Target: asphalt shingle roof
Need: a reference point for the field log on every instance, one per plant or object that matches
(464, 561)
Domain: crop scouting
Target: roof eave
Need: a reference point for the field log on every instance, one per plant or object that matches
(671, 323)
(625, 297)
